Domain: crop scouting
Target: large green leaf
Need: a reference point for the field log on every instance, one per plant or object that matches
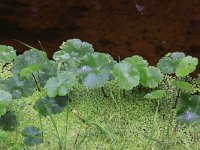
(76, 48)
(186, 66)
(182, 85)
(32, 135)
(158, 94)
(47, 106)
(19, 87)
(95, 70)
(33, 61)
(7, 54)
(30, 69)
(126, 75)
(150, 76)
(170, 62)
(60, 85)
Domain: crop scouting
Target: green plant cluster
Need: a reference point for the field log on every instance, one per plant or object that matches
(77, 66)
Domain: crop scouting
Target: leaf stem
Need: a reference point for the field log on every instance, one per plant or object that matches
(41, 127)
(124, 93)
(36, 82)
(55, 126)
(103, 91)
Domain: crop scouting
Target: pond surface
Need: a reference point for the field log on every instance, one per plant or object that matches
(150, 28)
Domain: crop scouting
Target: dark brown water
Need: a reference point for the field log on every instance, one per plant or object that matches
(112, 26)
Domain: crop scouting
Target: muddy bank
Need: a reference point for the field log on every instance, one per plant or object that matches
(115, 26)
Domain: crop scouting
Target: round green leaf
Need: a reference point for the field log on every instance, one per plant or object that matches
(5, 98)
(76, 48)
(186, 66)
(158, 94)
(182, 85)
(33, 135)
(7, 54)
(136, 61)
(8, 121)
(95, 70)
(47, 106)
(30, 69)
(170, 62)
(126, 76)
(150, 76)
(60, 85)
(189, 112)
(61, 56)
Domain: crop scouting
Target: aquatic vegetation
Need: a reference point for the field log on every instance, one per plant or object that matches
(58, 104)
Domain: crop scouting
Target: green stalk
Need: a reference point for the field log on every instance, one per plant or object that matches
(36, 82)
(59, 66)
(55, 126)
(103, 91)
(66, 122)
(124, 93)
(41, 127)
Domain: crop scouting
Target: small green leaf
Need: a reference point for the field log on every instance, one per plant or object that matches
(170, 62)
(7, 54)
(186, 66)
(60, 85)
(126, 75)
(150, 76)
(32, 135)
(8, 121)
(158, 94)
(30, 69)
(182, 85)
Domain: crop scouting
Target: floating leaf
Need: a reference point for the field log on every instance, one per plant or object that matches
(150, 76)
(170, 62)
(47, 106)
(60, 85)
(126, 76)
(32, 135)
(7, 54)
(95, 70)
(186, 66)
(182, 85)
(158, 94)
